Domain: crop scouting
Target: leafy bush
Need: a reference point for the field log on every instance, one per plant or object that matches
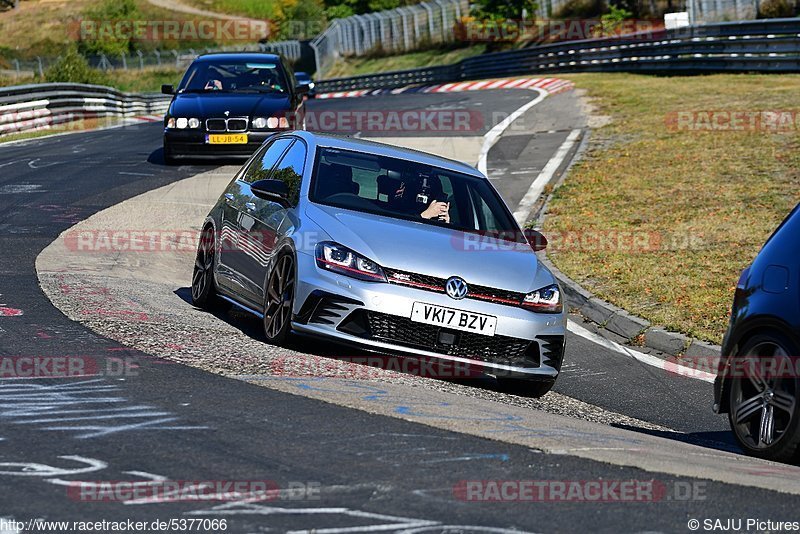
(105, 14)
(72, 67)
(611, 22)
(581, 9)
(504, 9)
(775, 9)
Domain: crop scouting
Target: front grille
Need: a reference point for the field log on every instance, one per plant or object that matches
(432, 283)
(403, 331)
(238, 124)
(216, 125)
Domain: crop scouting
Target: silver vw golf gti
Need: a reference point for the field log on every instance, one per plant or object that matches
(387, 249)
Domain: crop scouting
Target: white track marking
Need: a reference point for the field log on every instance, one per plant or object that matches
(653, 361)
(494, 134)
(538, 185)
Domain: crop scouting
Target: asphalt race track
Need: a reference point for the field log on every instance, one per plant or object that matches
(358, 470)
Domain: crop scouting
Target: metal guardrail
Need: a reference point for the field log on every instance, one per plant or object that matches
(40, 106)
(746, 46)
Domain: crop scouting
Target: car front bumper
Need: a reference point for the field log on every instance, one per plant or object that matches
(376, 316)
(192, 144)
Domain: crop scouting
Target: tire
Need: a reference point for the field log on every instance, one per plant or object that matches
(279, 300)
(526, 387)
(763, 409)
(203, 291)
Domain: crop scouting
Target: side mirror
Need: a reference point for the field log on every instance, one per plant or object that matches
(536, 240)
(167, 89)
(302, 89)
(272, 190)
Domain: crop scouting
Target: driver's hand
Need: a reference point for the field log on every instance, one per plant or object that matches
(437, 210)
(213, 85)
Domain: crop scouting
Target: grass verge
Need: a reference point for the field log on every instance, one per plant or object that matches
(700, 203)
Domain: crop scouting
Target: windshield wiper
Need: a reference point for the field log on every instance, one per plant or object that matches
(204, 91)
(255, 89)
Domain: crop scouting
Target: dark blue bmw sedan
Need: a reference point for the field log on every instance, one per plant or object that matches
(227, 104)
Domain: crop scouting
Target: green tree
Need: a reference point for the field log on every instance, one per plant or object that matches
(105, 16)
(72, 67)
(505, 9)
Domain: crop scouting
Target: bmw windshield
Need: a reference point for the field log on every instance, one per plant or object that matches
(409, 190)
(234, 76)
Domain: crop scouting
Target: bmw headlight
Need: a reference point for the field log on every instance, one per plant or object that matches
(544, 300)
(181, 123)
(260, 122)
(338, 259)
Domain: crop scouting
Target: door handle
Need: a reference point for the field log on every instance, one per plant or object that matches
(250, 206)
(229, 197)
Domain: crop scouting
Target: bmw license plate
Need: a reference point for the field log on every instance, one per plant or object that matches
(452, 318)
(226, 139)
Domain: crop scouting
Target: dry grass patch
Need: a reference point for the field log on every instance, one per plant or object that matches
(708, 199)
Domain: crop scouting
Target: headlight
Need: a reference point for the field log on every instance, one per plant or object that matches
(342, 260)
(259, 122)
(544, 300)
(311, 85)
(182, 123)
(275, 122)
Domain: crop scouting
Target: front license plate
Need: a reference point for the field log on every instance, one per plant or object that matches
(452, 318)
(226, 139)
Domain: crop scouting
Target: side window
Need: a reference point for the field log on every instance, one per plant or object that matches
(290, 170)
(259, 168)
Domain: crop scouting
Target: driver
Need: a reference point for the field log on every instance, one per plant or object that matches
(213, 85)
(429, 196)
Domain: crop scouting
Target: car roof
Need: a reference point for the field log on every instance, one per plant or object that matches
(244, 56)
(382, 149)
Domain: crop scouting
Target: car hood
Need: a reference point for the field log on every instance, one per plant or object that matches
(209, 105)
(432, 250)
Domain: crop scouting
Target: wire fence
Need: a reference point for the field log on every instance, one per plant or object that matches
(155, 58)
(396, 30)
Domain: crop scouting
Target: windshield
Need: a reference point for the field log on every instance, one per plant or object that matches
(408, 190)
(234, 76)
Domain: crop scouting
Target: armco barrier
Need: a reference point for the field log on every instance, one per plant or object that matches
(38, 106)
(746, 46)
